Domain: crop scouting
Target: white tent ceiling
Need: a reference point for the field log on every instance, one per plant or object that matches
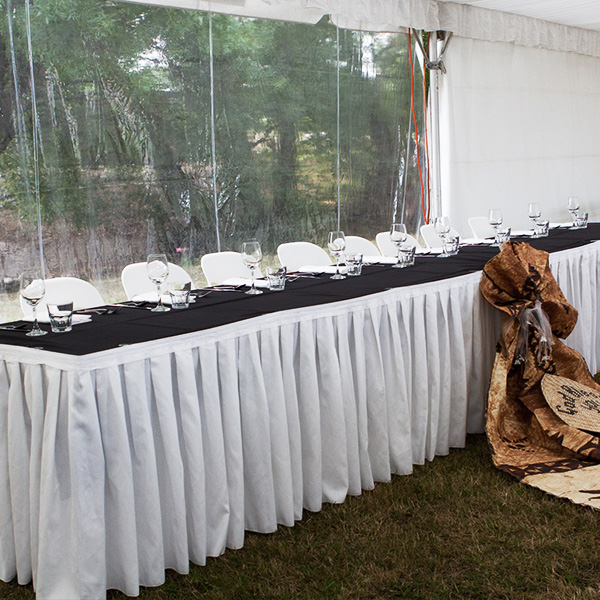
(567, 25)
(575, 13)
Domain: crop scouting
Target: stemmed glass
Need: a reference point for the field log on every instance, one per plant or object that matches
(33, 289)
(535, 212)
(573, 207)
(495, 220)
(252, 256)
(157, 269)
(398, 237)
(337, 244)
(441, 225)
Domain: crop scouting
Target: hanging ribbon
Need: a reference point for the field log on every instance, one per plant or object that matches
(537, 319)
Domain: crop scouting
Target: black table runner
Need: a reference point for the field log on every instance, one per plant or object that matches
(135, 325)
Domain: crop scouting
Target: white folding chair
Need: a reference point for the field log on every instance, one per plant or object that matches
(387, 247)
(135, 280)
(431, 238)
(64, 289)
(295, 255)
(220, 266)
(356, 244)
(481, 227)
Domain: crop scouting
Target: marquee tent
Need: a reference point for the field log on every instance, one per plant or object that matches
(517, 106)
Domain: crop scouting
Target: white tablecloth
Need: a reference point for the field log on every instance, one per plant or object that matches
(118, 465)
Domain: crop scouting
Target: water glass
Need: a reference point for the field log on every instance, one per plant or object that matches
(179, 292)
(406, 256)
(450, 246)
(157, 269)
(61, 317)
(33, 289)
(581, 220)
(252, 257)
(354, 263)
(495, 220)
(337, 244)
(502, 235)
(276, 278)
(541, 228)
(534, 211)
(573, 207)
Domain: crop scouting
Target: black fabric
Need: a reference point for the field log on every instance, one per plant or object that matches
(135, 325)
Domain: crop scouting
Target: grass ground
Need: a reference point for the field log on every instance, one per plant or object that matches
(455, 529)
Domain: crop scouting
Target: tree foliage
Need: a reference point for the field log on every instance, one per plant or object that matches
(124, 102)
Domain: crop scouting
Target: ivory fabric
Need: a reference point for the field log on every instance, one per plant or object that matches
(541, 143)
(534, 26)
(500, 25)
(149, 456)
(527, 437)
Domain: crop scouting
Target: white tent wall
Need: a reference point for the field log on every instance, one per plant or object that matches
(518, 125)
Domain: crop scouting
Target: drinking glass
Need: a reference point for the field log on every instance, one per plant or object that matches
(252, 255)
(398, 237)
(441, 225)
(337, 244)
(61, 316)
(495, 220)
(535, 212)
(502, 236)
(573, 207)
(33, 289)
(276, 278)
(179, 292)
(157, 269)
(354, 264)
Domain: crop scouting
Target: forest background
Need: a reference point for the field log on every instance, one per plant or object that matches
(124, 134)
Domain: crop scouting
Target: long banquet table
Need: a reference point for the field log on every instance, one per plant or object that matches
(143, 441)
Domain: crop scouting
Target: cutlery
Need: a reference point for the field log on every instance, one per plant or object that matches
(228, 288)
(21, 327)
(99, 311)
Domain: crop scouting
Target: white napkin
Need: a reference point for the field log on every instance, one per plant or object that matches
(43, 317)
(521, 232)
(373, 260)
(320, 269)
(259, 283)
(556, 225)
(476, 241)
(152, 297)
(382, 260)
(428, 251)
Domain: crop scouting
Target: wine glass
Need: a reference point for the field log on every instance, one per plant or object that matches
(441, 225)
(535, 212)
(157, 269)
(252, 256)
(337, 244)
(33, 289)
(398, 237)
(573, 207)
(495, 220)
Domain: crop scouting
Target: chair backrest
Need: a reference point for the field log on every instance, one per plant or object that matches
(388, 248)
(294, 255)
(64, 289)
(481, 227)
(220, 266)
(355, 244)
(135, 280)
(431, 238)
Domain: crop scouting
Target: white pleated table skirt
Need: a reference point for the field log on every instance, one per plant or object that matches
(118, 465)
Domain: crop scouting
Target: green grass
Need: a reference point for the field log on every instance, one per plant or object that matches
(455, 529)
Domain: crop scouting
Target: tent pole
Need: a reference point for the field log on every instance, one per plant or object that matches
(434, 129)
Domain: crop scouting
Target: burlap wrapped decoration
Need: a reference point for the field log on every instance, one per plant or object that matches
(528, 439)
